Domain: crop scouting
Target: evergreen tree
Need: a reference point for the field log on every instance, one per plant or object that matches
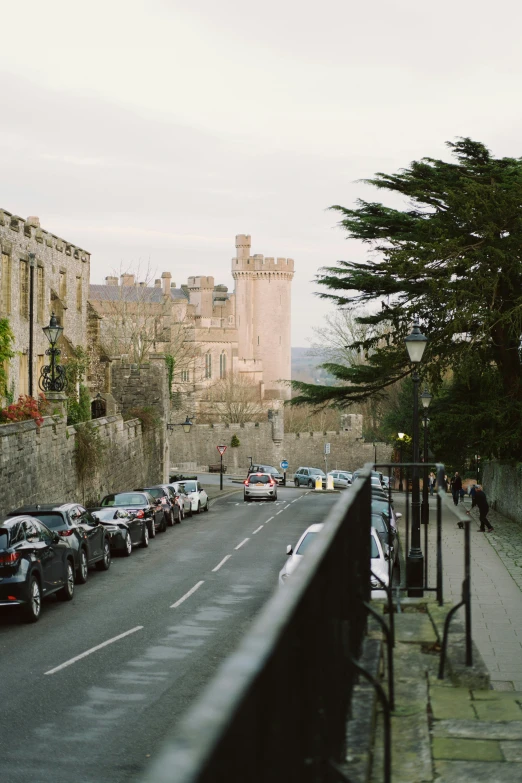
(451, 259)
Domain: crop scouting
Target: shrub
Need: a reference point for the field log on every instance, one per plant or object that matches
(79, 410)
(25, 409)
(88, 451)
(148, 417)
(235, 442)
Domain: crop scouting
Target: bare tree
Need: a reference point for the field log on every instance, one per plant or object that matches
(234, 399)
(305, 419)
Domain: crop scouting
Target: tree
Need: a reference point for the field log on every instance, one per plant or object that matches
(452, 259)
(232, 400)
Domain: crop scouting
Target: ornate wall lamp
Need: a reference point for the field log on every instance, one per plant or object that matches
(52, 376)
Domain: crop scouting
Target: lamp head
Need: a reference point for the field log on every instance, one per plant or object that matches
(187, 424)
(416, 343)
(53, 331)
(426, 398)
(401, 435)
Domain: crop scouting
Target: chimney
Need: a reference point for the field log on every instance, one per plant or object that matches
(127, 279)
(173, 285)
(33, 221)
(111, 281)
(165, 282)
(142, 285)
(157, 284)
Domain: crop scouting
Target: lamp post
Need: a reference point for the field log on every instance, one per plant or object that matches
(425, 510)
(31, 321)
(401, 439)
(52, 376)
(415, 344)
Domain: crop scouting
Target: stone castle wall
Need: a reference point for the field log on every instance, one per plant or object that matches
(501, 483)
(37, 463)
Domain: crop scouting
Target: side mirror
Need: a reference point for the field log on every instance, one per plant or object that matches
(56, 538)
(95, 517)
(398, 515)
(289, 550)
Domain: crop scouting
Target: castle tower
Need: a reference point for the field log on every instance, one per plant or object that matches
(263, 314)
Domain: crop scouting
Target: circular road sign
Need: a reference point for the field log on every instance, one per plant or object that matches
(283, 464)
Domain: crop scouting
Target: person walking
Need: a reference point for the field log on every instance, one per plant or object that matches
(431, 482)
(481, 502)
(456, 486)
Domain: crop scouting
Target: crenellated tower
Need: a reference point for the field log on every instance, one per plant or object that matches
(263, 314)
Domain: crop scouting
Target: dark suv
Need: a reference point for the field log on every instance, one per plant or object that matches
(142, 504)
(88, 539)
(167, 497)
(276, 475)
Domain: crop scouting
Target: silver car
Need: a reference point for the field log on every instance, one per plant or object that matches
(341, 478)
(260, 486)
(295, 556)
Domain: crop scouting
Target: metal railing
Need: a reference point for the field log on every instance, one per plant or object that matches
(277, 708)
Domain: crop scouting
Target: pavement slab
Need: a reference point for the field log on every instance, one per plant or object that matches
(478, 729)
(478, 772)
(451, 748)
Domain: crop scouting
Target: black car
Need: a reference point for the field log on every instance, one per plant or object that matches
(34, 563)
(142, 504)
(276, 475)
(88, 539)
(165, 495)
(125, 529)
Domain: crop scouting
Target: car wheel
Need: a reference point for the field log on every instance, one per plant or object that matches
(163, 526)
(311, 484)
(83, 569)
(199, 509)
(145, 537)
(296, 482)
(105, 563)
(33, 608)
(247, 500)
(152, 531)
(171, 518)
(127, 552)
(190, 510)
(67, 591)
(206, 506)
(274, 499)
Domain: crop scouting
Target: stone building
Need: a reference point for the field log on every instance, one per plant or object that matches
(212, 333)
(40, 273)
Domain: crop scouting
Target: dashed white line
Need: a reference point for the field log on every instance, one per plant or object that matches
(93, 649)
(295, 499)
(184, 597)
(280, 512)
(222, 563)
(257, 530)
(269, 519)
(241, 544)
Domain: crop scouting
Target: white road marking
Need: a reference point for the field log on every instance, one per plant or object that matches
(222, 563)
(280, 512)
(258, 529)
(184, 597)
(287, 506)
(241, 544)
(295, 499)
(93, 649)
(269, 520)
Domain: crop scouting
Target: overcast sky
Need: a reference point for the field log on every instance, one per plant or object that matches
(156, 131)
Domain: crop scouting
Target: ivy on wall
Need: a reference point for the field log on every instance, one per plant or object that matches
(6, 353)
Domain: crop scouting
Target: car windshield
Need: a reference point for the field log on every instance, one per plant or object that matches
(262, 479)
(375, 549)
(125, 499)
(107, 514)
(316, 472)
(156, 493)
(378, 523)
(189, 486)
(52, 520)
(305, 543)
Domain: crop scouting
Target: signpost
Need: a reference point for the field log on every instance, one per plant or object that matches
(326, 452)
(221, 450)
(284, 466)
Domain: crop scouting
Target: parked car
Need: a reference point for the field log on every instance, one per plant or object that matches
(307, 476)
(196, 493)
(182, 499)
(88, 540)
(382, 506)
(140, 503)
(341, 478)
(260, 486)
(164, 494)
(374, 475)
(34, 563)
(125, 530)
(380, 576)
(276, 475)
(294, 556)
(387, 535)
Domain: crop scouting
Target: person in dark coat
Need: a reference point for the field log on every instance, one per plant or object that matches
(456, 486)
(481, 502)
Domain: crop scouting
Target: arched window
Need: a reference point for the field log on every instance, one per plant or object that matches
(223, 365)
(208, 365)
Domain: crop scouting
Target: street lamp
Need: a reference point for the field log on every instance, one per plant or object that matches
(187, 424)
(52, 376)
(425, 511)
(415, 344)
(401, 439)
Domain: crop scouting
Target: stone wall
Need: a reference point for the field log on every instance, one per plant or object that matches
(266, 443)
(502, 482)
(37, 464)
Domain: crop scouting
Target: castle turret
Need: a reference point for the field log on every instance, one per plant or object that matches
(263, 314)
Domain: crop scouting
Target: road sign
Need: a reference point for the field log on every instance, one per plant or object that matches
(283, 464)
(221, 449)
(326, 448)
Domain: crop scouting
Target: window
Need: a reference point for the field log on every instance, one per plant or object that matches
(5, 302)
(223, 365)
(208, 365)
(24, 289)
(185, 375)
(32, 531)
(62, 290)
(40, 295)
(79, 294)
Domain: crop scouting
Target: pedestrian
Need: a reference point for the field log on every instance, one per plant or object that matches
(472, 491)
(456, 486)
(445, 483)
(481, 502)
(431, 482)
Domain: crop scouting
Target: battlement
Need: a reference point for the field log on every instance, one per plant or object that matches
(30, 227)
(258, 263)
(200, 282)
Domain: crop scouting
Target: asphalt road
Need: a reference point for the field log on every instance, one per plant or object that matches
(162, 620)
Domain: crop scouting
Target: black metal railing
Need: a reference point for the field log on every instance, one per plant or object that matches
(277, 709)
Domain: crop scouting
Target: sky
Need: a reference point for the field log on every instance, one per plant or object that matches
(151, 133)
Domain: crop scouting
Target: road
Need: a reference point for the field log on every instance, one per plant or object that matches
(162, 621)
